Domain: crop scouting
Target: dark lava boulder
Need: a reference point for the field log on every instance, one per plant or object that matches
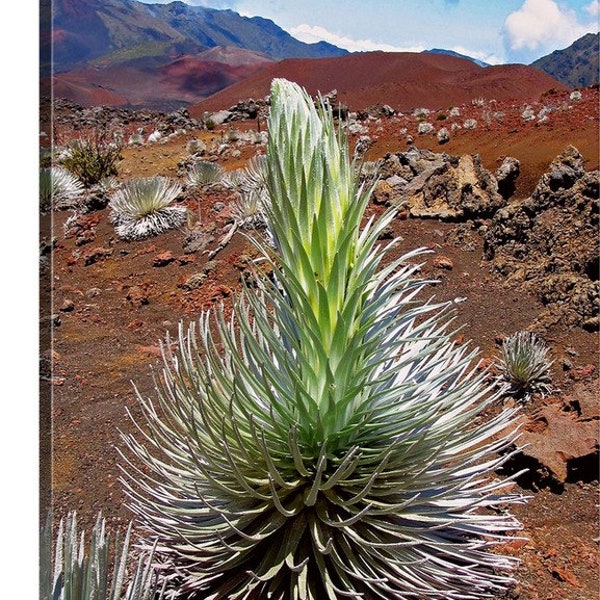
(549, 242)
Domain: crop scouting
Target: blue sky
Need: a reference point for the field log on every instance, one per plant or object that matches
(500, 31)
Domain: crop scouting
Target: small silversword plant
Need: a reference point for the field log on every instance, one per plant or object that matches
(59, 188)
(368, 170)
(204, 173)
(525, 366)
(100, 572)
(143, 207)
(248, 179)
(250, 185)
(323, 442)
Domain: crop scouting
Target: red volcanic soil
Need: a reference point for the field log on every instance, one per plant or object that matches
(78, 88)
(502, 131)
(403, 80)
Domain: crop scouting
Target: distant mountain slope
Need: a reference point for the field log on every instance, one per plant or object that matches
(230, 55)
(575, 66)
(404, 80)
(112, 31)
(457, 54)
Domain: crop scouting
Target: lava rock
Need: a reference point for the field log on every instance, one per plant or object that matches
(559, 264)
(556, 441)
(506, 176)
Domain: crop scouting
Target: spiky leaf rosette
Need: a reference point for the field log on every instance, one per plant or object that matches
(204, 173)
(323, 442)
(59, 188)
(144, 206)
(524, 365)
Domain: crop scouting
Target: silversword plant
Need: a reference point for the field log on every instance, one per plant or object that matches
(249, 184)
(97, 572)
(323, 442)
(59, 188)
(425, 128)
(443, 136)
(144, 206)
(524, 365)
(204, 173)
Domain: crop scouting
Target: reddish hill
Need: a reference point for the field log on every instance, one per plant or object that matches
(191, 76)
(153, 83)
(80, 90)
(403, 80)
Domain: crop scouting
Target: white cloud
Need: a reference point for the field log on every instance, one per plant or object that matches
(314, 33)
(593, 9)
(486, 57)
(543, 24)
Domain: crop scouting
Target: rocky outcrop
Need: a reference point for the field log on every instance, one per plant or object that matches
(241, 111)
(441, 186)
(114, 118)
(549, 242)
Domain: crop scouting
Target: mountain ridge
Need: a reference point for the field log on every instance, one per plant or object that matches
(457, 54)
(575, 66)
(82, 31)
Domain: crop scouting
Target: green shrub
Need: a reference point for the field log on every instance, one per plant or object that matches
(143, 207)
(91, 160)
(72, 573)
(323, 442)
(524, 365)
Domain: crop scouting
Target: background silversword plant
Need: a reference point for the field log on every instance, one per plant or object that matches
(524, 365)
(143, 207)
(250, 185)
(324, 442)
(97, 572)
(59, 188)
(204, 173)
(252, 177)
